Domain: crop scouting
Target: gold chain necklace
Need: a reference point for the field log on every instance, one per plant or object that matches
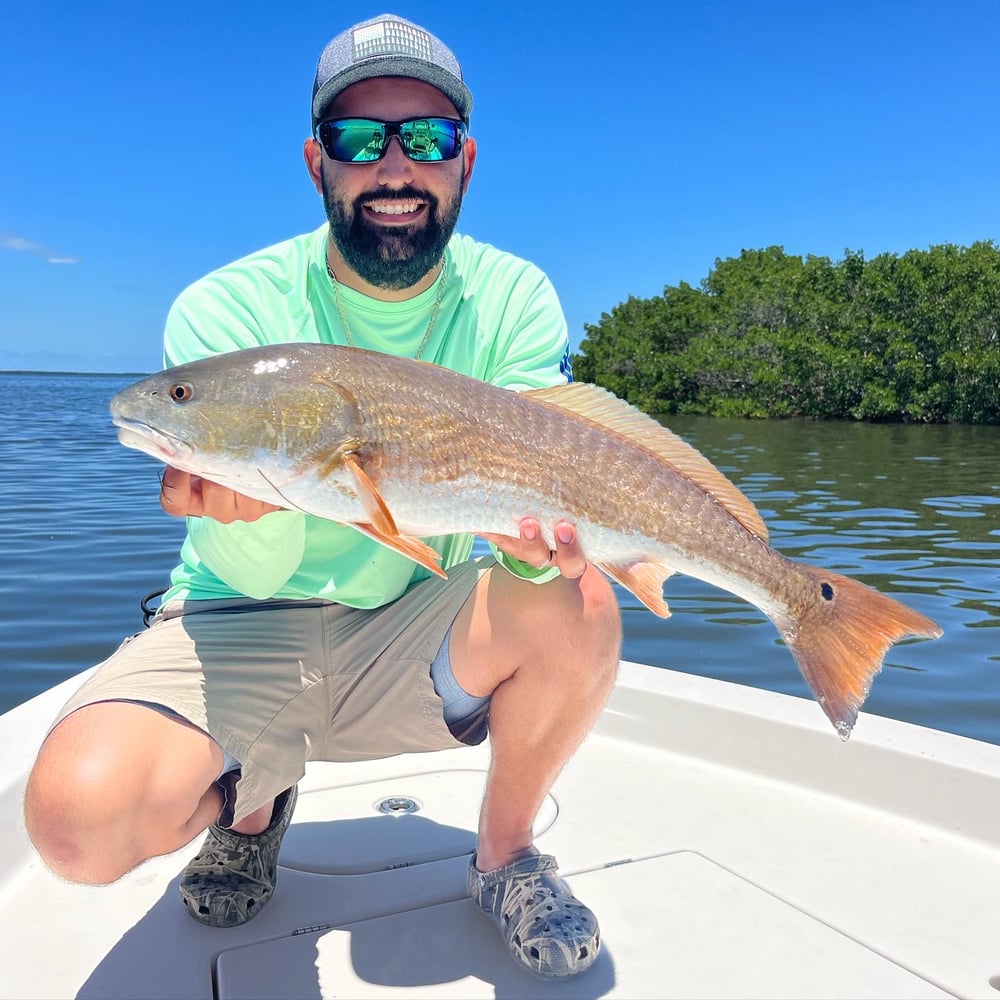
(442, 279)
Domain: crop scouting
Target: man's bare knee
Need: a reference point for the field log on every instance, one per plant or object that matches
(574, 637)
(100, 799)
(565, 632)
(70, 811)
(595, 629)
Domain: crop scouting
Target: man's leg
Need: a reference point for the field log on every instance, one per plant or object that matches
(122, 777)
(549, 653)
(116, 784)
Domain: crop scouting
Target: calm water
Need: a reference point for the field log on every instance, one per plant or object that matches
(914, 511)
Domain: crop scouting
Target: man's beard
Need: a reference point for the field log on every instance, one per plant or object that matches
(390, 258)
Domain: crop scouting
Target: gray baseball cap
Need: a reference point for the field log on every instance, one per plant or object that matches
(387, 45)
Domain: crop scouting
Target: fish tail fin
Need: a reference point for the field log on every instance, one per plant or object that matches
(842, 637)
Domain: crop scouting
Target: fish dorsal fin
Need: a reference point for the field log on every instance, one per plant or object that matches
(604, 408)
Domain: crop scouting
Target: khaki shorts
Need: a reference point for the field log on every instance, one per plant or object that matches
(279, 683)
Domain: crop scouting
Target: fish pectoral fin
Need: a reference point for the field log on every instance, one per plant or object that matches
(382, 526)
(645, 580)
(371, 500)
(413, 548)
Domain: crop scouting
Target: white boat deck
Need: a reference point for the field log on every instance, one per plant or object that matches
(730, 844)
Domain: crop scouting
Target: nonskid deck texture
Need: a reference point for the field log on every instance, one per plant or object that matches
(730, 844)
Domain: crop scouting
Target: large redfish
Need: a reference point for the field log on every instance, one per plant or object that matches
(403, 450)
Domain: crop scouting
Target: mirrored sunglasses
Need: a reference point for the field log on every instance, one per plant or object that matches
(365, 140)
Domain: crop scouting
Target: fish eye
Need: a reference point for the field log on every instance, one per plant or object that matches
(181, 392)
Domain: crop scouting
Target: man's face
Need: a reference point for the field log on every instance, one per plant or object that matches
(390, 220)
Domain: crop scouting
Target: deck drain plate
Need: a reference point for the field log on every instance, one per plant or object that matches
(397, 805)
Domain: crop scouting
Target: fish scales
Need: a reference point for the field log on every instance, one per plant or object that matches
(516, 447)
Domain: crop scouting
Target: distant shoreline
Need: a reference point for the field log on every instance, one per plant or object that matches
(43, 371)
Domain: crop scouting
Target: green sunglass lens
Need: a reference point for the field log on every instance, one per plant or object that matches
(358, 142)
(428, 139)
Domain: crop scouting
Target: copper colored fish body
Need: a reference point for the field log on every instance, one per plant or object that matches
(403, 450)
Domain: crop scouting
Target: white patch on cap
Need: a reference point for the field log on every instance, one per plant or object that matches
(391, 38)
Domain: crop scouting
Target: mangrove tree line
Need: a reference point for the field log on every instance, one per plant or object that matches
(911, 337)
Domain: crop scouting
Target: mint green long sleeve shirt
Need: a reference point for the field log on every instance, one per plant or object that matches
(500, 321)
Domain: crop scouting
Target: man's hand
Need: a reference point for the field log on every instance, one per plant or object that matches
(185, 495)
(531, 548)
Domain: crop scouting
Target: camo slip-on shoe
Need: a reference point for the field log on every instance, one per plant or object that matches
(233, 875)
(545, 926)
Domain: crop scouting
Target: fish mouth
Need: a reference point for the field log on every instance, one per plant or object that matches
(144, 437)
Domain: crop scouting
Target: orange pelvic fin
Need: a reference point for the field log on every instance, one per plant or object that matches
(842, 639)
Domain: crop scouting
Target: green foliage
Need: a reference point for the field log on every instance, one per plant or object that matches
(897, 338)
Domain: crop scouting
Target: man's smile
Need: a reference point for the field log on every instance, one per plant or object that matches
(392, 211)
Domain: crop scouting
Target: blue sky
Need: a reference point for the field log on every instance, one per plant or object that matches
(622, 147)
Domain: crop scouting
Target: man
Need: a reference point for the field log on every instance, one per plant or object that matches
(206, 720)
